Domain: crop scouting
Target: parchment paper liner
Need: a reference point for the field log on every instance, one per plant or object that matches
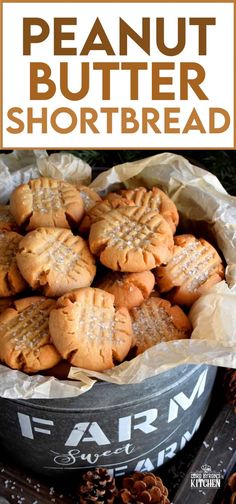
(205, 206)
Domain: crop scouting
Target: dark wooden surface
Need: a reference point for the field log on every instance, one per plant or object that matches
(19, 487)
(218, 452)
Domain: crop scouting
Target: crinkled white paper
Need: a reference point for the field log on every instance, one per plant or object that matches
(19, 167)
(64, 165)
(204, 206)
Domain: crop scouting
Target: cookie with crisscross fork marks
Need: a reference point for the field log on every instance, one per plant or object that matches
(129, 289)
(11, 281)
(46, 202)
(155, 320)
(88, 331)
(131, 239)
(155, 199)
(194, 268)
(24, 335)
(55, 261)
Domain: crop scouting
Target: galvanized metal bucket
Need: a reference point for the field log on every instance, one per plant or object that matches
(124, 428)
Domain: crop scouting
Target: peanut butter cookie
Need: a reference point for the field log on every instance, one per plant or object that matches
(88, 331)
(129, 289)
(155, 320)
(131, 239)
(194, 268)
(56, 261)
(46, 202)
(24, 335)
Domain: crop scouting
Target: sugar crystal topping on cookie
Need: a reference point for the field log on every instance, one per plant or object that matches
(29, 328)
(129, 234)
(62, 256)
(88, 202)
(46, 199)
(8, 247)
(98, 322)
(193, 264)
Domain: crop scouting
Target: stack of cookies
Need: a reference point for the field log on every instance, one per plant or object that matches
(92, 281)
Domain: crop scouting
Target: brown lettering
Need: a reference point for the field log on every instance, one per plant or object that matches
(36, 80)
(28, 38)
(134, 77)
(109, 117)
(194, 123)
(170, 120)
(128, 115)
(158, 80)
(202, 24)
(59, 36)
(90, 44)
(31, 120)
(142, 41)
(160, 38)
(150, 117)
(212, 120)
(69, 112)
(84, 89)
(86, 120)
(11, 115)
(194, 83)
(106, 77)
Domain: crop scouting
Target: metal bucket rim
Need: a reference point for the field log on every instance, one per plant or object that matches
(156, 393)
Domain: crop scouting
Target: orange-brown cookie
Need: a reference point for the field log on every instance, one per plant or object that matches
(46, 202)
(7, 221)
(6, 303)
(88, 331)
(155, 320)
(194, 268)
(155, 199)
(131, 239)
(97, 212)
(89, 197)
(11, 280)
(24, 335)
(129, 289)
(55, 260)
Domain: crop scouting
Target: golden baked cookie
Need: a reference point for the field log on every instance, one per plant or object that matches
(194, 267)
(97, 212)
(89, 197)
(155, 199)
(88, 331)
(55, 261)
(155, 320)
(7, 221)
(131, 239)
(129, 289)
(11, 280)
(46, 202)
(6, 303)
(24, 335)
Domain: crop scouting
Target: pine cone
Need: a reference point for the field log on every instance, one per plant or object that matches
(230, 490)
(97, 486)
(143, 488)
(229, 386)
